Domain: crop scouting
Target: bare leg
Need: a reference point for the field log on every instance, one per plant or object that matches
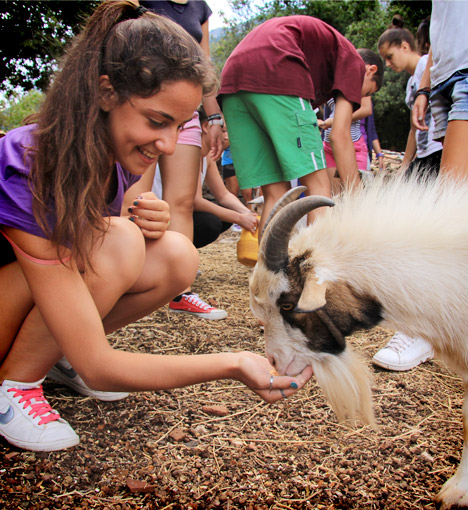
(334, 180)
(171, 265)
(454, 492)
(318, 183)
(16, 302)
(247, 195)
(179, 177)
(272, 193)
(232, 185)
(149, 280)
(455, 151)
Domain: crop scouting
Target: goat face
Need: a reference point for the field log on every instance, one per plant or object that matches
(306, 319)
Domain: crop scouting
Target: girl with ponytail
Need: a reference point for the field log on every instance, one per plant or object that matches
(71, 268)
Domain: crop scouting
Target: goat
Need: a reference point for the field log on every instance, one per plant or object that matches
(395, 253)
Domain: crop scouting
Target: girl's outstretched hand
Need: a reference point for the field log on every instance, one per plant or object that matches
(257, 373)
(150, 214)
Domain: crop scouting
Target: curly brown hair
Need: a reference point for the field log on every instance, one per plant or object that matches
(72, 170)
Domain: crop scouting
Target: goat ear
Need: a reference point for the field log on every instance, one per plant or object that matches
(313, 294)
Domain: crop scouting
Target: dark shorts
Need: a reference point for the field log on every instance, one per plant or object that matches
(228, 171)
(427, 167)
(207, 228)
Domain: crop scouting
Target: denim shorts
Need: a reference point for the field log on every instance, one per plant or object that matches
(449, 101)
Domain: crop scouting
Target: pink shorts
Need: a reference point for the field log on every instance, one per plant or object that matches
(360, 147)
(191, 133)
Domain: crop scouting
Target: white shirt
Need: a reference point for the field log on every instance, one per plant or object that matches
(449, 38)
(425, 145)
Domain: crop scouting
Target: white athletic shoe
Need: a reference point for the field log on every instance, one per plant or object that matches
(403, 353)
(63, 373)
(27, 420)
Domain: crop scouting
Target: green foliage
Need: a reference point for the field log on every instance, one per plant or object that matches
(13, 112)
(37, 33)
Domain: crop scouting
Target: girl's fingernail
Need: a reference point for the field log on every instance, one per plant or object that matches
(131, 218)
(130, 210)
(135, 203)
(294, 385)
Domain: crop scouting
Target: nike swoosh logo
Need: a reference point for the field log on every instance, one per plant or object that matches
(69, 372)
(7, 416)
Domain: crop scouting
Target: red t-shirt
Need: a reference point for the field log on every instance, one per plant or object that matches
(295, 56)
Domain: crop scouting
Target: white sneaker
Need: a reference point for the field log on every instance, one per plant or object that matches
(403, 353)
(63, 373)
(28, 421)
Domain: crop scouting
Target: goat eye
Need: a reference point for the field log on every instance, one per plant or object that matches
(287, 307)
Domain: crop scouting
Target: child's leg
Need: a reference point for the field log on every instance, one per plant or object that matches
(179, 176)
(455, 151)
(318, 183)
(272, 193)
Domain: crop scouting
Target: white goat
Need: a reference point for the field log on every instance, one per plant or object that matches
(393, 253)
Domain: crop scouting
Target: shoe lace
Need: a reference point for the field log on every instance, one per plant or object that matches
(34, 398)
(399, 342)
(195, 300)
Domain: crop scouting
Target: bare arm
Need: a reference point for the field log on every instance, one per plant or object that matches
(211, 104)
(364, 111)
(410, 149)
(74, 321)
(378, 150)
(342, 144)
(229, 208)
(418, 113)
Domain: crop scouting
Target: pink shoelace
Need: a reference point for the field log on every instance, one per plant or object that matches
(34, 398)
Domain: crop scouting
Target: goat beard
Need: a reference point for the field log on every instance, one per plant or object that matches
(346, 382)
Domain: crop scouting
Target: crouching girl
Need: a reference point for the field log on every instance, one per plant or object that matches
(71, 269)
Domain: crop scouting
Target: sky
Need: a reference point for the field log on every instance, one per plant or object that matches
(216, 6)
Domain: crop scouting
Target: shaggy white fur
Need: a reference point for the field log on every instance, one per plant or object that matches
(404, 243)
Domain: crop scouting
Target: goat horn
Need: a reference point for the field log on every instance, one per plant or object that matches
(274, 243)
(287, 198)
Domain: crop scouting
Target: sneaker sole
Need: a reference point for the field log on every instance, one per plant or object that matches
(41, 447)
(105, 396)
(401, 368)
(210, 316)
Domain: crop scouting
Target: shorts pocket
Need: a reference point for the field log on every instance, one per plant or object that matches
(308, 134)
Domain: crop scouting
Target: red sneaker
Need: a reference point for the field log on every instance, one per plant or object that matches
(190, 303)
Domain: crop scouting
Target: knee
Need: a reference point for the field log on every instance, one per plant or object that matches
(173, 258)
(182, 203)
(123, 251)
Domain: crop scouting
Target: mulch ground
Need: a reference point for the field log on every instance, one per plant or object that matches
(218, 445)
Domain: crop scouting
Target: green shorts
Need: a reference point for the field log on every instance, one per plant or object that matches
(273, 138)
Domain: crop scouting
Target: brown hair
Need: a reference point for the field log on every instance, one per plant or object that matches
(396, 34)
(371, 58)
(423, 41)
(72, 169)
